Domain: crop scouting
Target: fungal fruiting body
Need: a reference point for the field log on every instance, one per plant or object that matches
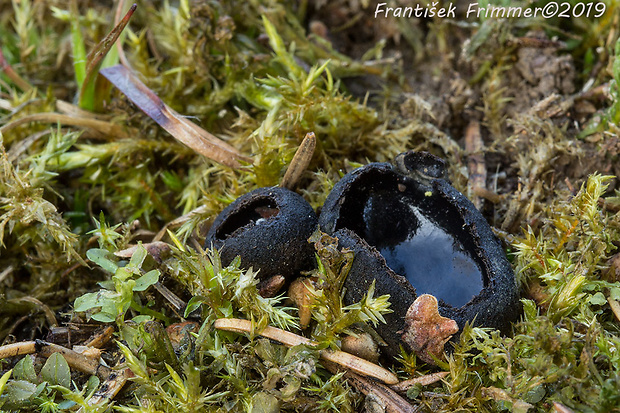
(268, 229)
(413, 233)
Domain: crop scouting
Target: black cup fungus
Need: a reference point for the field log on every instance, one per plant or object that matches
(269, 229)
(413, 233)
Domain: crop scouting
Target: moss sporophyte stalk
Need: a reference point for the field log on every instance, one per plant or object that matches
(111, 297)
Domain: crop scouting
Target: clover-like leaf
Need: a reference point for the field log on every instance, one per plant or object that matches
(24, 370)
(56, 371)
(103, 258)
(146, 280)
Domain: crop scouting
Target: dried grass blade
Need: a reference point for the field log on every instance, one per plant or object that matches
(422, 381)
(105, 128)
(183, 130)
(119, 47)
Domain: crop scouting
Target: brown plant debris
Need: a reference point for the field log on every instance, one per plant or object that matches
(426, 332)
(300, 161)
(182, 129)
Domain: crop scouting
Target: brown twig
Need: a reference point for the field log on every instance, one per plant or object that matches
(422, 381)
(300, 161)
(45, 349)
(101, 339)
(110, 387)
(474, 147)
(349, 361)
(17, 349)
(391, 401)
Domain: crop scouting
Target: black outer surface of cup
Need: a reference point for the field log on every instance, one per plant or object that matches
(496, 306)
(276, 242)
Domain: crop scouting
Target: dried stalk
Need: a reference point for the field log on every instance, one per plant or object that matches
(17, 349)
(392, 401)
(475, 161)
(110, 387)
(422, 381)
(74, 359)
(615, 307)
(38, 305)
(300, 162)
(101, 339)
(106, 128)
(8, 70)
(349, 361)
(119, 47)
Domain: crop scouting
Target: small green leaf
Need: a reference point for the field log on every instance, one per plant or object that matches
(265, 402)
(19, 390)
(56, 371)
(598, 299)
(146, 280)
(24, 370)
(103, 317)
(535, 395)
(86, 302)
(193, 304)
(614, 293)
(93, 300)
(5, 377)
(91, 386)
(103, 259)
(138, 257)
(141, 319)
(107, 284)
(66, 404)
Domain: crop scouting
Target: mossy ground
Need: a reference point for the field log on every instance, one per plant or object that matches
(525, 110)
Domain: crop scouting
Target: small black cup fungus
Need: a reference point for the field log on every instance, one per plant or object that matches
(413, 233)
(269, 229)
